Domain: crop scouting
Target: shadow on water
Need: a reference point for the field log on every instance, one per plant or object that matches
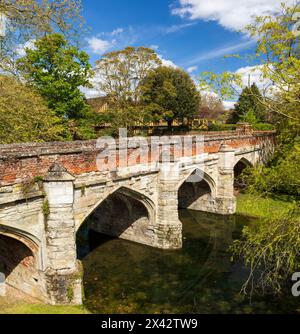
(124, 277)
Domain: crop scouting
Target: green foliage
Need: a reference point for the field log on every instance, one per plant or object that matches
(263, 127)
(121, 73)
(278, 54)
(38, 178)
(70, 293)
(126, 117)
(281, 176)
(169, 94)
(249, 107)
(222, 84)
(28, 20)
(24, 116)
(46, 208)
(278, 51)
(84, 128)
(57, 70)
(272, 251)
(253, 205)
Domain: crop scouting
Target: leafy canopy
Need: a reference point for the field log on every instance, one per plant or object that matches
(57, 70)
(24, 116)
(28, 20)
(169, 93)
(121, 72)
(249, 108)
(277, 53)
(271, 250)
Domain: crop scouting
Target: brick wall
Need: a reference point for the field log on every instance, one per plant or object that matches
(26, 161)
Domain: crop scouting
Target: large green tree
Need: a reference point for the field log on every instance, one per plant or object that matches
(169, 93)
(24, 115)
(249, 107)
(120, 73)
(57, 70)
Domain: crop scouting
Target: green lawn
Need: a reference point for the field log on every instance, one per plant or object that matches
(16, 307)
(261, 207)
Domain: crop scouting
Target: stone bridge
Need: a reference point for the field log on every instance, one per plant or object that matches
(51, 194)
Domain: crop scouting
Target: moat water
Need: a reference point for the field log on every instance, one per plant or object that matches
(124, 277)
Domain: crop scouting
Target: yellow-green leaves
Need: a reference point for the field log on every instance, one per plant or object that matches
(121, 73)
(24, 116)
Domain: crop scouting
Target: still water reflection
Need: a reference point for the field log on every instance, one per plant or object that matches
(124, 277)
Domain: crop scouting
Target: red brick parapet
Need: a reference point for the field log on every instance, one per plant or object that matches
(26, 161)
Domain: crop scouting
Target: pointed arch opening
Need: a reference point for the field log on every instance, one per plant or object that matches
(19, 263)
(239, 168)
(124, 214)
(196, 192)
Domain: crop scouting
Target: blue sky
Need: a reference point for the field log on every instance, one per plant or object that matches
(192, 34)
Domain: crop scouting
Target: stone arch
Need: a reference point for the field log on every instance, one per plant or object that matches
(245, 162)
(238, 169)
(25, 238)
(20, 261)
(123, 213)
(196, 194)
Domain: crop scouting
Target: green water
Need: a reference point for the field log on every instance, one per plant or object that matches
(124, 277)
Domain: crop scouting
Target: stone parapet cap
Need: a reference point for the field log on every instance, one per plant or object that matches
(226, 148)
(58, 173)
(26, 150)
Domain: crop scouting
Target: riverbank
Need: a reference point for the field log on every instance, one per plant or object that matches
(262, 207)
(247, 205)
(15, 302)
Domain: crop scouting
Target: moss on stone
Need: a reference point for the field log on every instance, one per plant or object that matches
(70, 293)
(46, 208)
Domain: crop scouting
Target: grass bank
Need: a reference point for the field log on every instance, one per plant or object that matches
(261, 207)
(24, 308)
(16, 302)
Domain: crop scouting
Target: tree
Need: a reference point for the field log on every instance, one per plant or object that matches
(272, 250)
(57, 70)
(24, 116)
(28, 20)
(278, 50)
(121, 72)
(278, 53)
(170, 94)
(249, 107)
(211, 102)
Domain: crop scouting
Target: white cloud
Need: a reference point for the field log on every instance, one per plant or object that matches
(220, 52)
(99, 46)
(253, 74)
(192, 69)
(177, 27)
(228, 105)
(154, 47)
(250, 75)
(167, 62)
(21, 49)
(231, 14)
(117, 32)
(90, 93)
